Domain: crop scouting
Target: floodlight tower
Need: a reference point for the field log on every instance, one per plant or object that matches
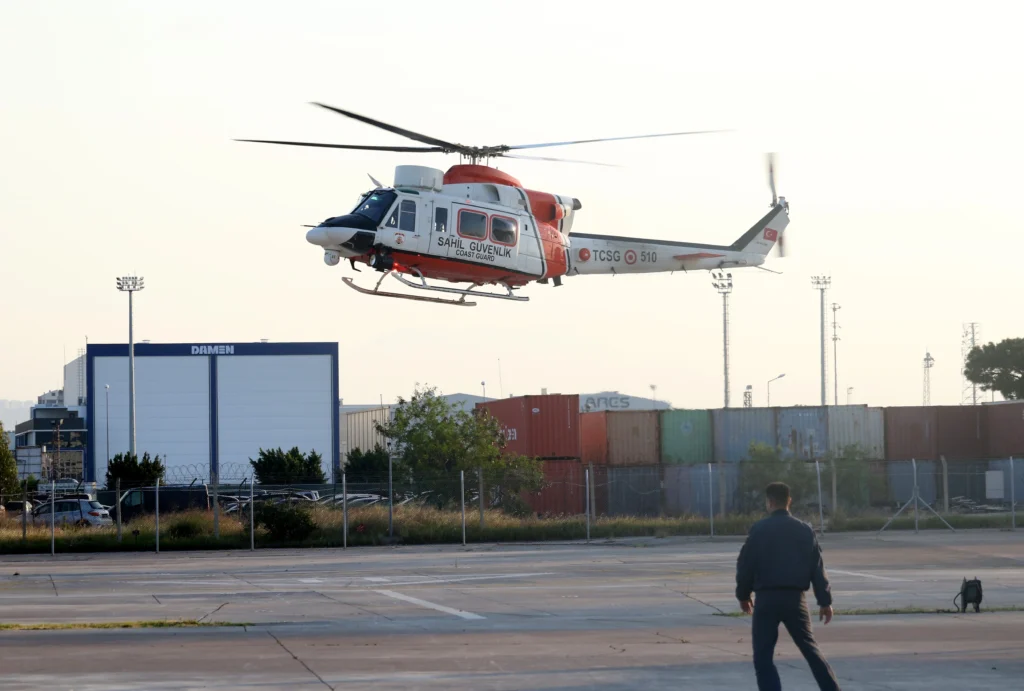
(821, 284)
(723, 284)
(929, 362)
(835, 351)
(130, 284)
(748, 397)
(968, 340)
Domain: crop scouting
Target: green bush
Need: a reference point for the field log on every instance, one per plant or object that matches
(285, 523)
(186, 528)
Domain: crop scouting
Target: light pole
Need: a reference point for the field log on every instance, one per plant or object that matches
(822, 283)
(723, 284)
(654, 395)
(769, 387)
(483, 387)
(835, 351)
(107, 386)
(849, 394)
(130, 284)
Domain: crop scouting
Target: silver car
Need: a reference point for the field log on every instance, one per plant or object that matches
(72, 512)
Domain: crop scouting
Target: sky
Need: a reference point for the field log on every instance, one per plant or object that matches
(896, 126)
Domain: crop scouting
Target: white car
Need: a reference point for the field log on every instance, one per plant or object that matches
(73, 512)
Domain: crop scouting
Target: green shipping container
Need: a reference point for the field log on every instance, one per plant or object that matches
(686, 437)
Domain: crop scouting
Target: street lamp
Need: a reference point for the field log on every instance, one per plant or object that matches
(483, 386)
(130, 284)
(849, 394)
(107, 386)
(654, 395)
(769, 387)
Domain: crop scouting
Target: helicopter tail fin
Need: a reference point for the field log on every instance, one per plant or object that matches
(765, 233)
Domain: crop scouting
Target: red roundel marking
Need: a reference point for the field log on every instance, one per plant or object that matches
(630, 257)
(771, 234)
(584, 255)
(399, 239)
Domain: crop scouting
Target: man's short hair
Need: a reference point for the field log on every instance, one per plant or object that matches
(778, 493)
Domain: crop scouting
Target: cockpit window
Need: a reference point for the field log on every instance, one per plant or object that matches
(375, 205)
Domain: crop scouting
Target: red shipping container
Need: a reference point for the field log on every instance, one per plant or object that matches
(563, 493)
(928, 433)
(1005, 429)
(622, 438)
(545, 427)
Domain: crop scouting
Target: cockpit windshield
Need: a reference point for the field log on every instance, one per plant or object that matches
(374, 205)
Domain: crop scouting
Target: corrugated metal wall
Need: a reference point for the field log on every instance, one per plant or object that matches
(564, 492)
(962, 432)
(1018, 471)
(690, 490)
(545, 427)
(633, 438)
(910, 432)
(736, 428)
(856, 425)
(1006, 429)
(686, 437)
(361, 432)
(901, 481)
(594, 430)
(802, 432)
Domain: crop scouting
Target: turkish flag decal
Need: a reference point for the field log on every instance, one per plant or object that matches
(771, 234)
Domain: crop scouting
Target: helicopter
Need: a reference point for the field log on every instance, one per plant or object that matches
(477, 225)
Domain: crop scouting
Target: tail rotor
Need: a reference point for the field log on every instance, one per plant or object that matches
(781, 242)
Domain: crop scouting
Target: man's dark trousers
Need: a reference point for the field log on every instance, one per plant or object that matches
(788, 607)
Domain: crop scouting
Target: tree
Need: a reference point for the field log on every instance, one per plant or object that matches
(432, 440)
(132, 472)
(998, 367)
(367, 466)
(767, 465)
(277, 467)
(8, 467)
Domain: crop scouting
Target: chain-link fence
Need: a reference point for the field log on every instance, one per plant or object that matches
(575, 500)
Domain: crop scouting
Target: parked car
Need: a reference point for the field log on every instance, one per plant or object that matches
(84, 512)
(14, 508)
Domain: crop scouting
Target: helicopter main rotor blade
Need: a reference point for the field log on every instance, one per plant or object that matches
(360, 147)
(560, 160)
(605, 139)
(408, 134)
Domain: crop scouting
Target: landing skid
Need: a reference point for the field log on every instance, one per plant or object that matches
(423, 285)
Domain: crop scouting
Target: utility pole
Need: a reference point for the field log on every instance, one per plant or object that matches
(748, 397)
(723, 284)
(130, 284)
(968, 340)
(821, 284)
(835, 351)
(929, 362)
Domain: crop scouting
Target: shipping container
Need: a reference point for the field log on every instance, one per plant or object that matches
(690, 490)
(546, 427)
(361, 428)
(910, 433)
(633, 438)
(686, 437)
(962, 432)
(965, 478)
(802, 432)
(634, 491)
(735, 429)
(1016, 493)
(856, 425)
(564, 491)
(621, 438)
(901, 482)
(1005, 429)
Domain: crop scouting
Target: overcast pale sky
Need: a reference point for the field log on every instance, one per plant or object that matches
(897, 127)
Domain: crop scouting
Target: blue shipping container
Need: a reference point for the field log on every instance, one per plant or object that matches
(690, 490)
(634, 491)
(1018, 485)
(803, 432)
(901, 481)
(735, 429)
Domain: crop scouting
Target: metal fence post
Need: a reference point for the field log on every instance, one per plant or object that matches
(480, 474)
(117, 492)
(711, 498)
(914, 463)
(344, 512)
(25, 511)
(216, 506)
(586, 482)
(252, 515)
(590, 492)
(158, 515)
(1013, 498)
(53, 525)
(821, 511)
(835, 494)
(462, 495)
(391, 502)
(945, 485)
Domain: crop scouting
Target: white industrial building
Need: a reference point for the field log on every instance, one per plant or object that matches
(209, 408)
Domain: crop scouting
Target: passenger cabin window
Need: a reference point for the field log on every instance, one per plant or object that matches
(440, 220)
(503, 230)
(472, 224)
(407, 216)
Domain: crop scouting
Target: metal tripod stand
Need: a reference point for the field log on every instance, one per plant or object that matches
(916, 500)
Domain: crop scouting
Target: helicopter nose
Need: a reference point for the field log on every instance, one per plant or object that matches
(317, 236)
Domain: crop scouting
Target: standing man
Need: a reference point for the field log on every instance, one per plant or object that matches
(780, 560)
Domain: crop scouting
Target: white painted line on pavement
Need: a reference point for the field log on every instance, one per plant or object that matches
(377, 579)
(868, 575)
(311, 580)
(429, 605)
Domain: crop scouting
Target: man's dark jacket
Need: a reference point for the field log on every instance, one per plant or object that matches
(782, 553)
